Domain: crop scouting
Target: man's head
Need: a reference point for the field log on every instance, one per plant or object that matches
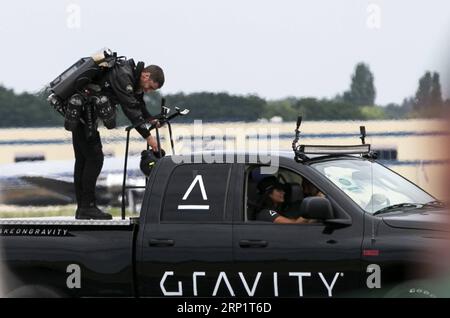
(152, 78)
(271, 187)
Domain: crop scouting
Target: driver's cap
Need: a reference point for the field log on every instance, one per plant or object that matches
(268, 184)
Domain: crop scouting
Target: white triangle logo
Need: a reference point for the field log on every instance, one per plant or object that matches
(198, 179)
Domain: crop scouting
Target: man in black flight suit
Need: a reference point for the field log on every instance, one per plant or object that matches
(124, 84)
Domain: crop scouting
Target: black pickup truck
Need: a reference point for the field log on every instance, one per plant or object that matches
(197, 234)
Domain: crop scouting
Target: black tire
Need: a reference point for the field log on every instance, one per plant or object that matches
(412, 289)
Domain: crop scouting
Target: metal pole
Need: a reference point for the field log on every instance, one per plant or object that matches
(171, 137)
(159, 142)
(146, 178)
(125, 174)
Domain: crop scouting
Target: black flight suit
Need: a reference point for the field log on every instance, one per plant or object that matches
(121, 86)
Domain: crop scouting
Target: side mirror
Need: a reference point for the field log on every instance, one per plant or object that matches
(317, 208)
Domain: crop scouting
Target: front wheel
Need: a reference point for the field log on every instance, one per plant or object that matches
(413, 289)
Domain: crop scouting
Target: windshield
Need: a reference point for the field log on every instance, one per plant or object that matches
(354, 177)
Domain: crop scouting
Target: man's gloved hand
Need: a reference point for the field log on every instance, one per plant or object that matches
(155, 122)
(153, 143)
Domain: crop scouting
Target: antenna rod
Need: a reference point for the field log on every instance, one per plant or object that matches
(362, 130)
(299, 122)
(297, 133)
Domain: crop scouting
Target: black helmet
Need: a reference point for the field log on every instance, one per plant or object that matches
(149, 159)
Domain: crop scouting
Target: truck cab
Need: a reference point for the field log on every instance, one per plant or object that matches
(206, 233)
(201, 228)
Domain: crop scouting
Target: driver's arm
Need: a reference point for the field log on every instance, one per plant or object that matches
(284, 220)
(274, 217)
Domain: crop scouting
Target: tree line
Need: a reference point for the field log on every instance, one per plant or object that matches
(358, 103)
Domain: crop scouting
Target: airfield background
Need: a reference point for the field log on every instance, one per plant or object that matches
(421, 156)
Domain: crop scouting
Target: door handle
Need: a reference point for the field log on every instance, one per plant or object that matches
(161, 242)
(253, 243)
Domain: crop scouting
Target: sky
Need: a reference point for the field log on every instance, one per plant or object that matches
(271, 48)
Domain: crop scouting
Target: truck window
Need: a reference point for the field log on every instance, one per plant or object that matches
(197, 193)
(294, 186)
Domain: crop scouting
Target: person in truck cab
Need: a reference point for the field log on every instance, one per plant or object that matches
(271, 206)
(310, 190)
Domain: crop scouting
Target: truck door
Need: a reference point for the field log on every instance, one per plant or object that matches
(186, 241)
(295, 260)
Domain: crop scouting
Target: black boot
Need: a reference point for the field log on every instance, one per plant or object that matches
(92, 213)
